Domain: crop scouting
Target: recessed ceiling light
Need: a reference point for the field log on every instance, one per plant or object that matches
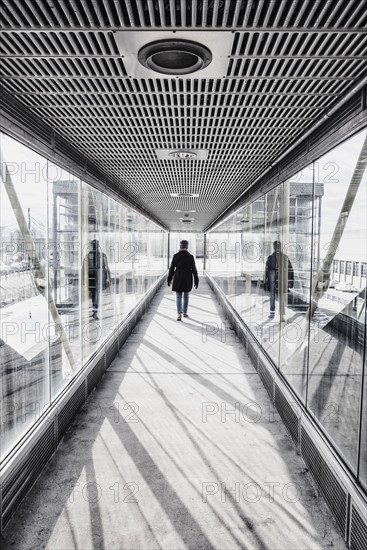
(185, 155)
(184, 195)
(174, 56)
(182, 154)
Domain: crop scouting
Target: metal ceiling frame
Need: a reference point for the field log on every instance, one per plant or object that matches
(29, 131)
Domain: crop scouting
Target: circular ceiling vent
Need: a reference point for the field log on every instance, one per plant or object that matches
(174, 57)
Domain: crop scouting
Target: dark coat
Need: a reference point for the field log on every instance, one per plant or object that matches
(182, 271)
(277, 261)
(96, 264)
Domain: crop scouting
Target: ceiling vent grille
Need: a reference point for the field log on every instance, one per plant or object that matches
(184, 54)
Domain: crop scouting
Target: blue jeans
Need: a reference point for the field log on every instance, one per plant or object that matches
(182, 301)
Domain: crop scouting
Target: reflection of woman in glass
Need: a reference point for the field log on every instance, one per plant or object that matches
(99, 276)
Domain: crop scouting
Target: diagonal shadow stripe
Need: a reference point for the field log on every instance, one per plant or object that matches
(180, 517)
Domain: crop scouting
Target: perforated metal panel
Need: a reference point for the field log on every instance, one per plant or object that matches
(23, 477)
(111, 353)
(288, 414)
(358, 533)
(266, 378)
(252, 350)
(96, 374)
(67, 413)
(290, 63)
(331, 489)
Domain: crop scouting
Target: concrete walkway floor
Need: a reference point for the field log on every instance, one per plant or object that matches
(177, 448)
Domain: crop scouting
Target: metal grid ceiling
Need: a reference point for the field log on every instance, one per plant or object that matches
(291, 62)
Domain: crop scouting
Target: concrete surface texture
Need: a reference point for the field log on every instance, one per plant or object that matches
(178, 447)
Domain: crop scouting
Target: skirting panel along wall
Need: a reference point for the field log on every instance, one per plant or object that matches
(288, 414)
(337, 486)
(335, 494)
(66, 414)
(358, 534)
(23, 469)
(21, 479)
(266, 379)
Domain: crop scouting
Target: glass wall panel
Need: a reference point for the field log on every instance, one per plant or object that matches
(131, 256)
(93, 272)
(338, 298)
(141, 266)
(73, 263)
(363, 438)
(121, 272)
(107, 317)
(293, 265)
(25, 300)
(298, 210)
(62, 258)
(249, 283)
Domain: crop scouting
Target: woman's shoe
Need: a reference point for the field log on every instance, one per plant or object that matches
(185, 315)
(179, 317)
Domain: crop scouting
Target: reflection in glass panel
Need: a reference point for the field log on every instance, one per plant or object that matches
(73, 263)
(338, 313)
(363, 438)
(271, 233)
(93, 270)
(118, 272)
(25, 301)
(299, 206)
(63, 261)
(107, 283)
(303, 295)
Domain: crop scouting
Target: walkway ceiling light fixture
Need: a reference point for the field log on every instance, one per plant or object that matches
(182, 154)
(190, 211)
(184, 195)
(174, 56)
(185, 155)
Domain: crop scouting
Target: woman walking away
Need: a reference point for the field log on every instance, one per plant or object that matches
(182, 271)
